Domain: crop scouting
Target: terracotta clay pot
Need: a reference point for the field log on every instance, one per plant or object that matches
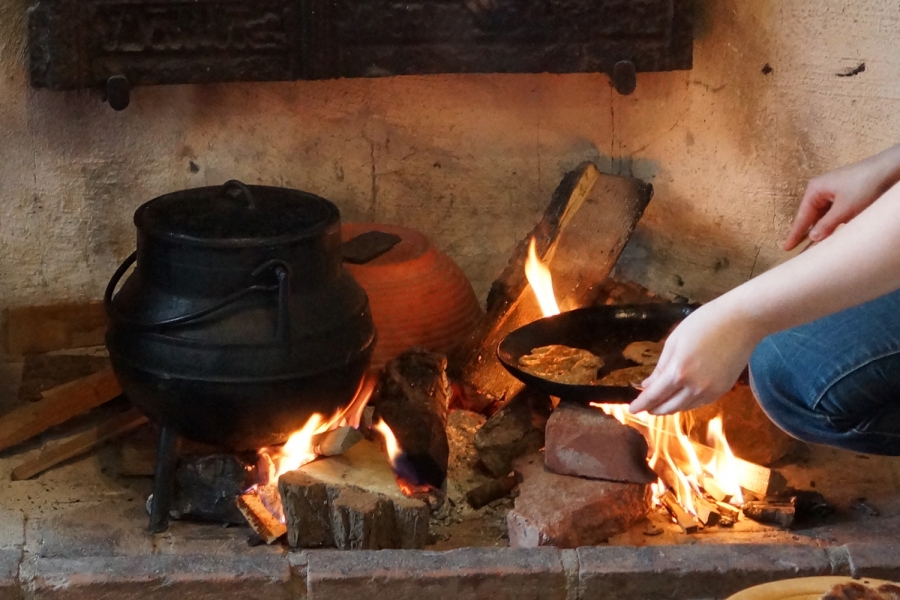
(418, 296)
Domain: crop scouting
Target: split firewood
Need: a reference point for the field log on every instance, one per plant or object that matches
(515, 430)
(351, 501)
(494, 489)
(684, 519)
(707, 512)
(336, 441)
(94, 437)
(264, 521)
(770, 513)
(413, 398)
(581, 234)
(58, 405)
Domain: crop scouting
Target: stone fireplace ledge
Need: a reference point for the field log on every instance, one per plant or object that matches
(647, 573)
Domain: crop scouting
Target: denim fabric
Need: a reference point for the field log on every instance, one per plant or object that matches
(836, 381)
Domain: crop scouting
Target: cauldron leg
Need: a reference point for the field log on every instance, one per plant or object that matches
(164, 480)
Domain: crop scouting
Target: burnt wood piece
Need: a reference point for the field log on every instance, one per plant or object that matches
(57, 405)
(515, 430)
(206, 487)
(111, 428)
(494, 489)
(413, 398)
(351, 502)
(581, 234)
(770, 513)
(84, 43)
(259, 516)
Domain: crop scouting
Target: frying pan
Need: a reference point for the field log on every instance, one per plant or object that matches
(602, 330)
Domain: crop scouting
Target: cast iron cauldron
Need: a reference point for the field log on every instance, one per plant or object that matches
(239, 320)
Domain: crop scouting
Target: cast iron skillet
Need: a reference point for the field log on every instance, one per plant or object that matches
(602, 330)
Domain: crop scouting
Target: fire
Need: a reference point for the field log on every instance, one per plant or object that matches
(673, 455)
(300, 447)
(541, 282)
(395, 455)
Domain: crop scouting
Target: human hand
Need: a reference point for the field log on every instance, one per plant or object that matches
(702, 359)
(836, 197)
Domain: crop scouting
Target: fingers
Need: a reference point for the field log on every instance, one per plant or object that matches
(657, 390)
(677, 403)
(814, 205)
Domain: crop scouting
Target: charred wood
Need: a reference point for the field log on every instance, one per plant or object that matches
(206, 487)
(770, 513)
(494, 489)
(515, 430)
(684, 520)
(413, 398)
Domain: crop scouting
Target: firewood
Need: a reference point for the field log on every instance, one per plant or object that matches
(94, 437)
(259, 517)
(684, 520)
(494, 489)
(413, 398)
(770, 513)
(581, 234)
(58, 405)
(515, 430)
(759, 480)
(707, 512)
(336, 441)
(351, 501)
(39, 329)
(206, 487)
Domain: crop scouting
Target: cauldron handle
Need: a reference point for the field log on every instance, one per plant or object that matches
(241, 188)
(282, 273)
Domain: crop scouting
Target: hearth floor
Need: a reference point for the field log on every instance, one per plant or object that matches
(83, 509)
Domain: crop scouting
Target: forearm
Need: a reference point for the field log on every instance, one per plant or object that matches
(858, 263)
(886, 167)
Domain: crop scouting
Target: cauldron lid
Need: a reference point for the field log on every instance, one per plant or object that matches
(236, 214)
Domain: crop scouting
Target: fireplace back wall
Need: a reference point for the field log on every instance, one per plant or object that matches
(471, 160)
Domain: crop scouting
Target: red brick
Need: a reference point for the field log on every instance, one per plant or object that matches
(466, 574)
(586, 442)
(567, 512)
(693, 571)
(159, 577)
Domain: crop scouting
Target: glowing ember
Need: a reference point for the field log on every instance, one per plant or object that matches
(541, 282)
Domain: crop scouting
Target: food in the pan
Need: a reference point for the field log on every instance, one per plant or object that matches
(562, 364)
(630, 376)
(855, 590)
(643, 353)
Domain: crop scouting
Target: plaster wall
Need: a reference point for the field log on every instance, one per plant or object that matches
(469, 160)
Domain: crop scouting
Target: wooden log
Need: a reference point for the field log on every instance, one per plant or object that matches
(94, 437)
(684, 520)
(58, 405)
(492, 490)
(581, 234)
(707, 512)
(39, 329)
(336, 441)
(413, 398)
(262, 520)
(351, 501)
(770, 513)
(207, 486)
(515, 430)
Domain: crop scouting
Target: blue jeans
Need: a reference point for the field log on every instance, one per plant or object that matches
(836, 381)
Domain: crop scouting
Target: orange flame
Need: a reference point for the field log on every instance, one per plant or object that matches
(300, 449)
(409, 489)
(724, 468)
(538, 276)
(390, 440)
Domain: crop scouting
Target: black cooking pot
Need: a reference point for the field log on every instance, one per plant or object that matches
(239, 320)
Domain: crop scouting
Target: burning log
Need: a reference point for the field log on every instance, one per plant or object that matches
(494, 489)
(583, 229)
(351, 501)
(515, 430)
(336, 441)
(256, 510)
(206, 487)
(684, 520)
(413, 397)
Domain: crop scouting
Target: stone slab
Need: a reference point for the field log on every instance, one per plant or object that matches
(586, 442)
(12, 529)
(90, 529)
(693, 571)
(158, 578)
(567, 512)
(880, 561)
(466, 574)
